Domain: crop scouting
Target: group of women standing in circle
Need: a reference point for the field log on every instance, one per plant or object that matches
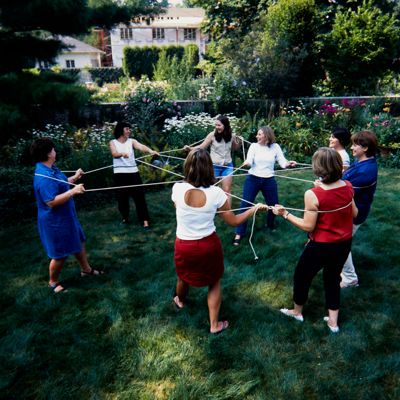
(328, 217)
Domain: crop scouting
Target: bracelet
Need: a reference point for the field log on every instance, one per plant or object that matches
(70, 193)
(286, 215)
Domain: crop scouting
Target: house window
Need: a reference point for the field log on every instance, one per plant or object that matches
(189, 34)
(70, 63)
(126, 33)
(158, 33)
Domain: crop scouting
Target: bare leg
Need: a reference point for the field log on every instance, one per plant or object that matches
(214, 298)
(82, 259)
(182, 289)
(54, 273)
(227, 187)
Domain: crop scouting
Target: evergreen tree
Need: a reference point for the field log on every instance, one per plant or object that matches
(28, 35)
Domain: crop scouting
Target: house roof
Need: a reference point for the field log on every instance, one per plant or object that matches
(173, 17)
(76, 46)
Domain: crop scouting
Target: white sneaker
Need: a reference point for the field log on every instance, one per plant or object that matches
(333, 329)
(296, 317)
(349, 284)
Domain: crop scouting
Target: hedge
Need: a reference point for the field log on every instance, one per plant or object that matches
(140, 61)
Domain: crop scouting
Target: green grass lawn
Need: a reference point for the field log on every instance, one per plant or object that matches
(119, 337)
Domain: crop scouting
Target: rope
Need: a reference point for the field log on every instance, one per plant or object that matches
(162, 169)
(130, 186)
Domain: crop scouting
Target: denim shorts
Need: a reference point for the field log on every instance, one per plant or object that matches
(223, 170)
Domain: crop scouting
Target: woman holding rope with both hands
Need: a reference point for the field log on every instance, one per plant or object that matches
(261, 159)
(198, 253)
(126, 173)
(59, 228)
(221, 142)
(328, 219)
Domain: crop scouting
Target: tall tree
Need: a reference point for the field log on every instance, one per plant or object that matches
(278, 58)
(28, 34)
(361, 47)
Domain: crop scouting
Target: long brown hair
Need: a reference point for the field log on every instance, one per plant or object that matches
(327, 165)
(226, 134)
(198, 168)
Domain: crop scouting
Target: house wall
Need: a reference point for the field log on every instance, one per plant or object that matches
(82, 60)
(144, 37)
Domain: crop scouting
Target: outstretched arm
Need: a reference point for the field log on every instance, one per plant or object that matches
(234, 220)
(204, 145)
(309, 220)
(143, 148)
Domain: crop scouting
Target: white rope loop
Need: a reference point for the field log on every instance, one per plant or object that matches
(279, 175)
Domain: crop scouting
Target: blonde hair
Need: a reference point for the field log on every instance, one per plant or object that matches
(327, 164)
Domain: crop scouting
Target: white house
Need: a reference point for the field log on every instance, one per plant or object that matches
(178, 26)
(79, 55)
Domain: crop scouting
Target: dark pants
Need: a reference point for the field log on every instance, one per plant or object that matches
(136, 193)
(316, 256)
(269, 189)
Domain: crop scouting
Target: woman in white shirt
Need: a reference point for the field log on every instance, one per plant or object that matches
(126, 173)
(339, 139)
(221, 142)
(198, 252)
(261, 158)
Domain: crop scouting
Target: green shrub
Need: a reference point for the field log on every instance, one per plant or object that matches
(140, 61)
(230, 94)
(106, 75)
(147, 108)
(192, 128)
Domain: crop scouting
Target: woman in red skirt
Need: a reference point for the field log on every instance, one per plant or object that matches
(198, 254)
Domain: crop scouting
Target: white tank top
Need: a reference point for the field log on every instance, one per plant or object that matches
(124, 165)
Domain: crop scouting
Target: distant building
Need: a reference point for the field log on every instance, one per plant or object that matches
(79, 55)
(178, 26)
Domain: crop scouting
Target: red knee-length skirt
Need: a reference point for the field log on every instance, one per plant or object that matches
(199, 262)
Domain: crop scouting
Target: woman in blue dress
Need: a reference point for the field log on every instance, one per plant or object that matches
(60, 231)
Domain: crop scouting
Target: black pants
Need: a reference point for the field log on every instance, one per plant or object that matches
(137, 194)
(316, 256)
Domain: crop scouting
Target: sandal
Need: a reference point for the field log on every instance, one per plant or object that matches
(57, 288)
(94, 272)
(224, 326)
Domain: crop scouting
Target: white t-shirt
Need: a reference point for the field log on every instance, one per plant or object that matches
(194, 223)
(262, 159)
(124, 165)
(345, 157)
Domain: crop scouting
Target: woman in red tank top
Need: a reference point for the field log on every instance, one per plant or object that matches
(328, 219)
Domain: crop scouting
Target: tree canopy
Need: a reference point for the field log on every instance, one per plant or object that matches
(28, 35)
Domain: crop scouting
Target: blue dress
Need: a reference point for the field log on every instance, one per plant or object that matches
(59, 229)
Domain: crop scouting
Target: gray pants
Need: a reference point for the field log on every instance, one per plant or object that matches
(349, 272)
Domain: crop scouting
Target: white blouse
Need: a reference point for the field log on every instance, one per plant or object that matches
(194, 223)
(262, 159)
(124, 165)
(345, 157)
